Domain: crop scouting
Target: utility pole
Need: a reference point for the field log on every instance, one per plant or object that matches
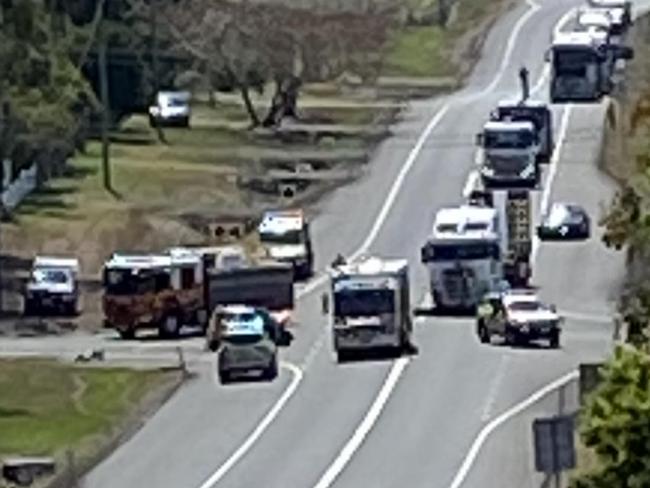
(103, 88)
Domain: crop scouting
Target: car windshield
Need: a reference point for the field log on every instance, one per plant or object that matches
(358, 303)
(292, 237)
(508, 139)
(558, 216)
(56, 276)
(573, 60)
(526, 306)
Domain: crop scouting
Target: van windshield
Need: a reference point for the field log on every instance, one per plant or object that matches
(291, 237)
(360, 303)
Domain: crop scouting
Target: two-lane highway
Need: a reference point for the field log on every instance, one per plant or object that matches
(409, 422)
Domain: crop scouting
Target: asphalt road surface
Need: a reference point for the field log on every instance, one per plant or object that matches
(432, 419)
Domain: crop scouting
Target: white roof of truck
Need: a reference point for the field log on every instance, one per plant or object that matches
(373, 265)
(466, 221)
(507, 125)
(138, 261)
(596, 17)
(610, 3)
(281, 221)
(514, 102)
(56, 262)
(575, 39)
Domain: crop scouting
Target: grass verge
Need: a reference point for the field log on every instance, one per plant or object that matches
(49, 407)
(429, 50)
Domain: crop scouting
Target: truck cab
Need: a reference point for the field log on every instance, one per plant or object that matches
(509, 154)
(463, 256)
(370, 306)
(286, 237)
(53, 286)
(536, 112)
(160, 291)
(246, 339)
(582, 66)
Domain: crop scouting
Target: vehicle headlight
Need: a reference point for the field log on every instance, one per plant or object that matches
(487, 170)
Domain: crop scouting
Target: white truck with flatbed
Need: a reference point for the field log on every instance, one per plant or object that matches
(370, 306)
(53, 285)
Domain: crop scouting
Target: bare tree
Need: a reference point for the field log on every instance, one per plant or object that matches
(250, 44)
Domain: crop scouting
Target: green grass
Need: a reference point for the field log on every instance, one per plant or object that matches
(424, 51)
(418, 51)
(47, 406)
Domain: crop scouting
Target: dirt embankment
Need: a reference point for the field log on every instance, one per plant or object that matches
(626, 148)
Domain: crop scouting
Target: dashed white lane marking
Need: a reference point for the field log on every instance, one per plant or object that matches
(493, 393)
(261, 427)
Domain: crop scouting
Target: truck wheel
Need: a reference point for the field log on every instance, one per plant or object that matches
(554, 340)
(170, 327)
(342, 356)
(28, 308)
(224, 377)
(127, 334)
(483, 334)
(213, 346)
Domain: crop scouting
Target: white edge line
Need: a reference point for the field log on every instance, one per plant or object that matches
(504, 417)
(261, 427)
(346, 454)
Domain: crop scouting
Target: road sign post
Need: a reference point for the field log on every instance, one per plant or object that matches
(554, 445)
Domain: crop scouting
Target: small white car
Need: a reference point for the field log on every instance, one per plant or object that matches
(171, 108)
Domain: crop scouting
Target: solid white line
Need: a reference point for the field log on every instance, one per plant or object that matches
(259, 430)
(470, 184)
(552, 171)
(501, 419)
(364, 427)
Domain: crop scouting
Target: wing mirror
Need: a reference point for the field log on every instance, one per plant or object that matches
(479, 139)
(284, 338)
(540, 232)
(621, 52)
(547, 56)
(325, 304)
(553, 308)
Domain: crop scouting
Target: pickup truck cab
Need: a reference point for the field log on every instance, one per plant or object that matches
(518, 316)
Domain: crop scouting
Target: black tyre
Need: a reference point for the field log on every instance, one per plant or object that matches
(483, 334)
(342, 356)
(170, 327)
(554, 340)
(271, 372)
(127, 334)
(224, 377)
(511, 338)
(213, 345)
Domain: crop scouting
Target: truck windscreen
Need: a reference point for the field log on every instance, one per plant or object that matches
(291, 237)
(522, 114)
(359, 303)
(515, 139)
(573, 61)
(127, 282)
(465, 251)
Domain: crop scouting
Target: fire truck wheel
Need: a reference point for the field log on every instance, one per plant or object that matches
(127, 334)
(483, 333)
(170, 327)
